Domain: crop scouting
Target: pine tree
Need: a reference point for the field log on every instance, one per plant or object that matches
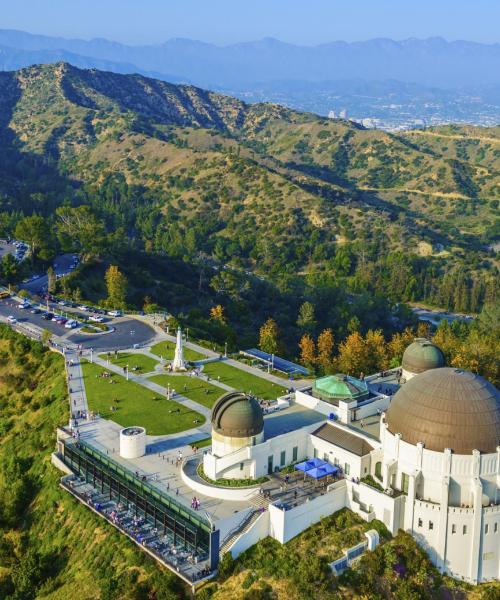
(306, 319)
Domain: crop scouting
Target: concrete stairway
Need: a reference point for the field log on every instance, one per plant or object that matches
(238, 531)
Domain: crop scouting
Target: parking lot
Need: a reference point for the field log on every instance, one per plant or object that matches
(126, 332)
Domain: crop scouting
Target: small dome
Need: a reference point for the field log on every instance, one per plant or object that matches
(421, 356)
(237, 415)
(447, 408)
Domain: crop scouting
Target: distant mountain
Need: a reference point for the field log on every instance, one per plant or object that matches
(429, 62)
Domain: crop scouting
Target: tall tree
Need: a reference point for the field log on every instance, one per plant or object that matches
(116, 284)
(51, 280)
(306, 319)
(79, 230)
(34, 230)
(352, 358)
(325, 349)
(268, 338)
(307, 350)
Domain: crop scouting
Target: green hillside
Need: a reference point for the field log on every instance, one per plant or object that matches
(51, 547)
(173, 182)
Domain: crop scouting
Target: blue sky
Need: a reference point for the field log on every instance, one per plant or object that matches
(228, 21)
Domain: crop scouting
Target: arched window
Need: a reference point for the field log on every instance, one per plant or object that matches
(378, 470)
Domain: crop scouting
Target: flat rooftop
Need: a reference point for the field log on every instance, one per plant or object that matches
(159, 465)
(290, 419)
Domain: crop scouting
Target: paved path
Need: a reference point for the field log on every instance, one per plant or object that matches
(76, 387)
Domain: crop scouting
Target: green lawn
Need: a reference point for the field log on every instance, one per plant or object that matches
(167, 350)
(135, 404)
(146, 364)
(246, 382)
(196, 389)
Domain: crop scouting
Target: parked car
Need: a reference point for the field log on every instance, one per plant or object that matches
(48, 316)
(96, 318)
(83, 307)
(11, 319)
(24, 305)
(71, 324)
(61, 321)
(35, 311)
(115, 313)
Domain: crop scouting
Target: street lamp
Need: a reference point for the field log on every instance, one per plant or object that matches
(91, 355)
(225, 349)
(126, 371)
(168, 391)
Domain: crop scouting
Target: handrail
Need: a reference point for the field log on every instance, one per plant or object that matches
(241, 525)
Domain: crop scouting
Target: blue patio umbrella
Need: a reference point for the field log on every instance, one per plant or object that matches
(307, 465)
(323, 471)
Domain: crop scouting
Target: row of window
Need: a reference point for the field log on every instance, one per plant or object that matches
(464, 527)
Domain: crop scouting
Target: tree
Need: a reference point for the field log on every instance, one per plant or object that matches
(325, 349)
(10, 269)
(34, 230)
(46, 335)
(398, 344)
(51, 280)
(376, 351)
(352, 358)
(306, 319)
(79, 230)
(268, 338)
(307, 350)
(217, 314)
(116, 284)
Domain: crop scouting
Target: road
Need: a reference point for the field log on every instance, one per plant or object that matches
(127, 331)
(61, 267)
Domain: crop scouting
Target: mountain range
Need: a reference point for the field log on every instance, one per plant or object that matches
(429, 62)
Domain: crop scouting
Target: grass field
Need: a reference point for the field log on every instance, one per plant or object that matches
(167, 350)
(241, 380)
(196, 389)
(135, 404)
(145, 364)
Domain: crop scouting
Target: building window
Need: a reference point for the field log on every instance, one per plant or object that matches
(495, 527)
(282, 458)
(241, 466)
(295, 452)
(486, 528)
(405, 482)
(431, 525)
(453, 528)
(254, 441)
(464, 529)
(378, 470)
(420, 522)
(347, 468)
(366, 470)
(315, 453)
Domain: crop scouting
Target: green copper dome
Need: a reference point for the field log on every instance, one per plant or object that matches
(340, 387)
(421, 356)
(237, 415)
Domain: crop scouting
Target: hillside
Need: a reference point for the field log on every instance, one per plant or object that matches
(50, 546)
(334, 176)
(177, 171)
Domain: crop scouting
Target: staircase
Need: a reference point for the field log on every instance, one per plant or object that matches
(242, 528)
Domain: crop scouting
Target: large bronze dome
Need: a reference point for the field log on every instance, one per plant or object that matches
(447, 408)
(422, 355)
(237, 415)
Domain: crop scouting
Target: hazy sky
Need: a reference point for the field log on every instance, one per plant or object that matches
(227, 21)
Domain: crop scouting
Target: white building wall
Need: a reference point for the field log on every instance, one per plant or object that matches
(258, 531)
(285, 525)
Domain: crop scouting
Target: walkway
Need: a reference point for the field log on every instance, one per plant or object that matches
(76, 387)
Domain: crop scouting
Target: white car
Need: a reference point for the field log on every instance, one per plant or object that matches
(71, 324)
(96, 318)
(83, 307)
(11, 319)
(115, 313)
(24, 305)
